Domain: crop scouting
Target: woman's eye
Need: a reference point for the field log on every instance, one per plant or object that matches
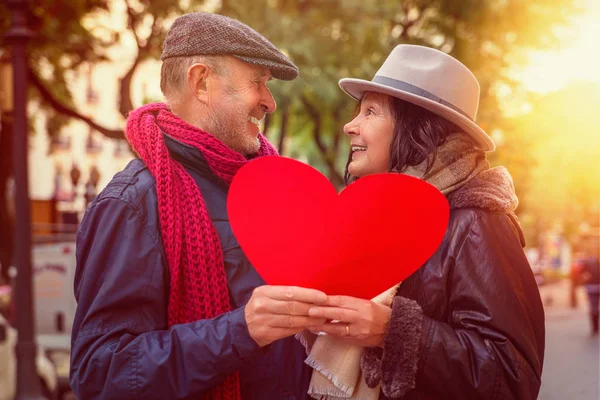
(370, 111)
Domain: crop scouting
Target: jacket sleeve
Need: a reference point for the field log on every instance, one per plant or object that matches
(491, 345)
(122, 347)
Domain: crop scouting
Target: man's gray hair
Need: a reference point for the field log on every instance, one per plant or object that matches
(173, 73)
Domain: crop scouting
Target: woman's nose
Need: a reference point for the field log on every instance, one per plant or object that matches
(351, 128)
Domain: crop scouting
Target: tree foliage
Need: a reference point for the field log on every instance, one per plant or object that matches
(327, 39)
(564, 147)
(333, 39)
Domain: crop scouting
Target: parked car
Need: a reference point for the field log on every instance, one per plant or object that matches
(53, 275)
(8, 365)
(53, 270)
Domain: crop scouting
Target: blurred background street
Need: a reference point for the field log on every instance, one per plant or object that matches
(572, 364)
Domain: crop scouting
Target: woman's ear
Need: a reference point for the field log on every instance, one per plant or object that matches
(197, 80)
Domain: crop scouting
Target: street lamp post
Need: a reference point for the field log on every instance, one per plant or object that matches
(28, 383)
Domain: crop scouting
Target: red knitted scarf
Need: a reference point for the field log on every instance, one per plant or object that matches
(198, 282)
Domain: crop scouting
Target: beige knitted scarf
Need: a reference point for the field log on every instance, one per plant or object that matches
(462, 173)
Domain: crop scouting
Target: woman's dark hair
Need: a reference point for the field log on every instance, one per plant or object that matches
(417, 134)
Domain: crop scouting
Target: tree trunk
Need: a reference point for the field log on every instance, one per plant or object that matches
(338, 128)
(267, 123)
(125, 103)
(314, 113)
(6, 223)
(285, 115)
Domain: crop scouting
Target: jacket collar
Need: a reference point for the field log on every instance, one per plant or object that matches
(190, 157)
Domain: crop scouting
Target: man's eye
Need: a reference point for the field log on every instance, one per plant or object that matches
(370, 111)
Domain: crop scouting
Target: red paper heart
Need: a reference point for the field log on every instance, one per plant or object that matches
(296, 230)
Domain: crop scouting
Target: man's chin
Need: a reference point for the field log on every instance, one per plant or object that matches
(254, 149)
(247, 149)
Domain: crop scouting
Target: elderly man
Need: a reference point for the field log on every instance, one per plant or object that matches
(168, 305)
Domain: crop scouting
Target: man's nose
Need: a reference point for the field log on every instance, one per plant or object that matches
(267, 101)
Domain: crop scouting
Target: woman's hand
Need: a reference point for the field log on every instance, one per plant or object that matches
(361, 322)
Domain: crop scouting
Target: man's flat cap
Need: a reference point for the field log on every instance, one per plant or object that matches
(212, 34)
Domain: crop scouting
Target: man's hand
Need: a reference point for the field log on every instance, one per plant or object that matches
(358, 321)
(275, 312)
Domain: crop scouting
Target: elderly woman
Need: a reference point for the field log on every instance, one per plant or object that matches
(469, 324)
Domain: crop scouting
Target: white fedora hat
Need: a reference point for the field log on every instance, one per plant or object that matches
(430, 79)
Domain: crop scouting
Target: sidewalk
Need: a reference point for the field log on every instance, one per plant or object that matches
(572, 359)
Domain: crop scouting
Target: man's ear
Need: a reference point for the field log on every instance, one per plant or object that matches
(197, 79)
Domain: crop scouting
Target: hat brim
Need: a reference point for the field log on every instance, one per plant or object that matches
(279, 70)
(356, 88)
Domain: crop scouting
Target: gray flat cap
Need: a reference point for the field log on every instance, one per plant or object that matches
(212, 34)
